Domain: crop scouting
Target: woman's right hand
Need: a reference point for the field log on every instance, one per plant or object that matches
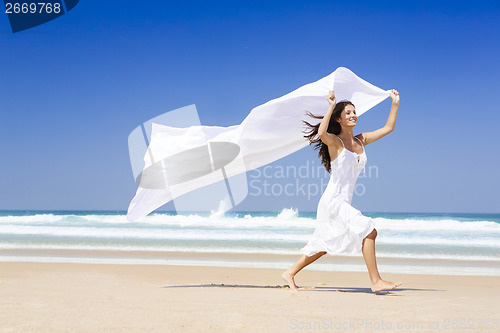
(331, 97)
(395, 96)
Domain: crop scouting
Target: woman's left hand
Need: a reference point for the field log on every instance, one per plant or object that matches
(331, 98)
(395, 96)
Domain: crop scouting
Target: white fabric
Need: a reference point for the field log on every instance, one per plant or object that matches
(270, 131)
(340, 228)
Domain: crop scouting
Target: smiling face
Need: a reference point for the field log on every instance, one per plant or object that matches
(348, 117)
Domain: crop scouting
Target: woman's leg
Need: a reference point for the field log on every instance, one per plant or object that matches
(371, 263)
(303, 261)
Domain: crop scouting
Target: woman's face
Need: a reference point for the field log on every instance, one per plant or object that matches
(348, 117)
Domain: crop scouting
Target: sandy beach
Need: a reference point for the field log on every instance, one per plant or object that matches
(52, 297)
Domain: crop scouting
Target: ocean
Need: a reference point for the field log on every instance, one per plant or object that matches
(108, 237)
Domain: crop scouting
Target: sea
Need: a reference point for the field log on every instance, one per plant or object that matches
(420, 243)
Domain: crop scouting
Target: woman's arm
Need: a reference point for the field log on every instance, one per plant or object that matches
(369, 137)
(327, 138)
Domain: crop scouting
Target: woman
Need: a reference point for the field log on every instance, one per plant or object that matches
(340, 227)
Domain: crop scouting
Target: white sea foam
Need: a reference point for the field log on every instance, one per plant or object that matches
(280, 233)
(450, 225)
(288, 214)
(150, 233)
(285, 220)
(37, 218)
(193, 234)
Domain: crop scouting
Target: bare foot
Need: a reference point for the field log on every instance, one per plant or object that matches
(384, 285)
(289, 279)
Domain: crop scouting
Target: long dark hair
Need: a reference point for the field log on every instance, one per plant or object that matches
(333, 127)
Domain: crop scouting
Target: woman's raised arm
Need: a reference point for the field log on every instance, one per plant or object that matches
(324, 136)
(369, 137)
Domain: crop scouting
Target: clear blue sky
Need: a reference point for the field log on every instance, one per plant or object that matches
(73, 89)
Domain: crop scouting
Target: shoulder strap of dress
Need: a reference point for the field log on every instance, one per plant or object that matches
(360, 141)
(340, 141)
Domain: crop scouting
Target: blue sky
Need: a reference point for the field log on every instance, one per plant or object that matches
(73, 89)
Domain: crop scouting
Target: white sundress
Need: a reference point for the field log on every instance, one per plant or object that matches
(340, 227)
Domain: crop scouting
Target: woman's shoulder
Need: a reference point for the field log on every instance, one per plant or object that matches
(331, 140)
(361, 137)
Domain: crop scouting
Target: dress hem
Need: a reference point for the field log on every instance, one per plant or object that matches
(331, 253)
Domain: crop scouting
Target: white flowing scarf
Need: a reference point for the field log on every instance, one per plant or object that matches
(181, 160)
